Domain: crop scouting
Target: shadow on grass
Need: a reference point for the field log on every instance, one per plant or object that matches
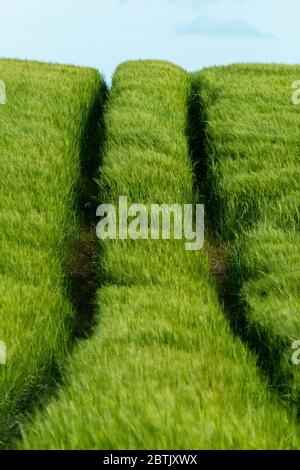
(82, 269)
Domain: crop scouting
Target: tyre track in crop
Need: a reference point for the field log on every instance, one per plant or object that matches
(82, 268)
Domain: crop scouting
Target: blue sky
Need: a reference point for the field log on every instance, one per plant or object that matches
(191, 33)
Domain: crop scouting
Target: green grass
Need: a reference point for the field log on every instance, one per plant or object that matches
(162, 370)
(42, 147)
(265, 271)
(251, 145)
(251, 140)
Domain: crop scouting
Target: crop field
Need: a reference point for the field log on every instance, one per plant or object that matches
(169, 348)
(251, 147)
(42, 138)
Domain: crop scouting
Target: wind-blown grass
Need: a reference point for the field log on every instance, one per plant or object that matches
(265, 272)
(163, 370)
(251, 132)
(42, 138)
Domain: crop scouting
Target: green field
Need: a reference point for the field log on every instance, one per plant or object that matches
(186, 349)
(252, 175)
(42, 145)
